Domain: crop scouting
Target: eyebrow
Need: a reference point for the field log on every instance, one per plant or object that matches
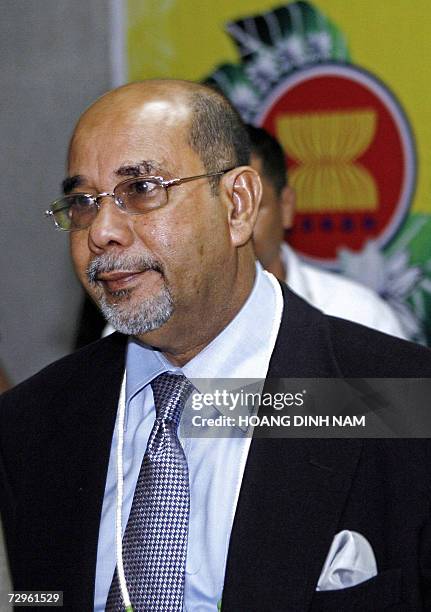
(143, 168)
(71, 182)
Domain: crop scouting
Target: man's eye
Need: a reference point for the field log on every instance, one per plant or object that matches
(79, 201)
(142, 187)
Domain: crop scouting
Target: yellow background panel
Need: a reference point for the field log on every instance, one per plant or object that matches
(390, 38)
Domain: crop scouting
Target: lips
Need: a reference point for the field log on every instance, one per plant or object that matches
(115, 281)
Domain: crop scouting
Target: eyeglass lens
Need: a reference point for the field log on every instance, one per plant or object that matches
(136, 196)
(74, 211)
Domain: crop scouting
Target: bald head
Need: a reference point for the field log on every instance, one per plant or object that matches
(213, 128)
(128, 100)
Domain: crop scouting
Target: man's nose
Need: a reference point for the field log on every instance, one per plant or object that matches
(111, 227)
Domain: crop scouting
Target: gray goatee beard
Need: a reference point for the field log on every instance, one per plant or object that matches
(128, 318)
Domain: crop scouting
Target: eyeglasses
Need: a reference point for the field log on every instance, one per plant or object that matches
(135, 196)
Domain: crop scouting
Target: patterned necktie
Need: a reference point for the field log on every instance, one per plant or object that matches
(155, 540)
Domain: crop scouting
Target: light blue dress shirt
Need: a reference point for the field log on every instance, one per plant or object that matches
(216, 465)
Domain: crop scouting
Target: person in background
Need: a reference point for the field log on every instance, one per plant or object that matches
(91, 324)
(333, 294)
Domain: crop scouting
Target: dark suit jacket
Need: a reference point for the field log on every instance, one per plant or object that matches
(55, 441)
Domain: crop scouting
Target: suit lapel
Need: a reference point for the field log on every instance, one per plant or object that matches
(89, 414)
(293, 490)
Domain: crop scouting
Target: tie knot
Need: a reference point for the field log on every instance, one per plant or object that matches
(171, 391)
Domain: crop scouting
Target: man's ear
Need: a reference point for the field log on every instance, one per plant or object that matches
(288, 203)
(243, 190)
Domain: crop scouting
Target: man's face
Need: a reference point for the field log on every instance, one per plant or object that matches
(269, 231)
(145, 270)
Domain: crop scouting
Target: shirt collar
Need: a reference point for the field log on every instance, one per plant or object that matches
(143, 364)
(295, 276)
(240, 349)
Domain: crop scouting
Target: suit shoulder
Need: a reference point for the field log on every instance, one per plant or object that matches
(54, 377)
(366, 352)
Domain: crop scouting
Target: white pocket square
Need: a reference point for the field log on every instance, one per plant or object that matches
(350, 561)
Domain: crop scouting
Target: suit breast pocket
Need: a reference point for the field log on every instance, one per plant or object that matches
(383, 592)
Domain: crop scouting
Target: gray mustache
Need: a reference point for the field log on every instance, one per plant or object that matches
(110, 262)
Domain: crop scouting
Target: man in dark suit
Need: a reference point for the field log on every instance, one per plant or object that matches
(160, 204)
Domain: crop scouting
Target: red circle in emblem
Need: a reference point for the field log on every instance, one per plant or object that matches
(388, 161)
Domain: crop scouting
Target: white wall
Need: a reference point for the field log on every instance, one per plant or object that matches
(54, 57)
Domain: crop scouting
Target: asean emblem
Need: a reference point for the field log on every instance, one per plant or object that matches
(350, 154)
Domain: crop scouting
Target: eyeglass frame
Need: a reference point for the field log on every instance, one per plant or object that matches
(159, 180)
